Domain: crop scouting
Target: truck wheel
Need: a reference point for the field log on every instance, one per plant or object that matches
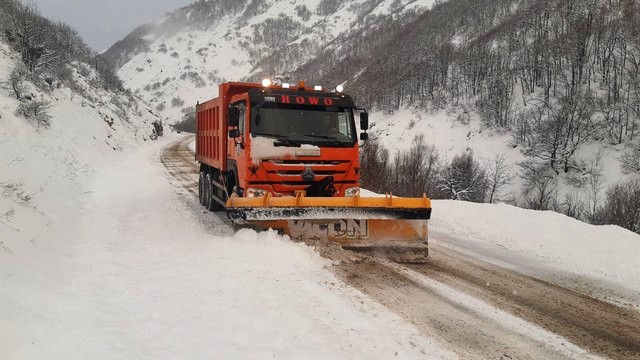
(208, 199)
(231, 185)
(201, 188)
(212, 204)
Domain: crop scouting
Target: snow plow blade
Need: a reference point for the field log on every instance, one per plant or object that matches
(395, 228)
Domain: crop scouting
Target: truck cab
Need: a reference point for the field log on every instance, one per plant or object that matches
(284, 140)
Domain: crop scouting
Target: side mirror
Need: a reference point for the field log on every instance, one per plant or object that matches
(234, 116)
(364, 136)
(234, 134)
(364, 121)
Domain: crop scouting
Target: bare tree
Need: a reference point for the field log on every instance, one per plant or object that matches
(30, 35)
(622, 206)
(572, 206)
(375, 167)
(540, 185)
(498, 176)
(630, 160)
(36, 111)
(559, 130)
(595, 185)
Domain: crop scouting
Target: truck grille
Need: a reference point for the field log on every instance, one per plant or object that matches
(288, 170)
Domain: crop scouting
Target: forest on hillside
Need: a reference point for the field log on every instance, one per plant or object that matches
(47, 48)
(555, 74)
(50, 56)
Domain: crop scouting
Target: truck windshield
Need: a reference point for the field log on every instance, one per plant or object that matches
(325, 126)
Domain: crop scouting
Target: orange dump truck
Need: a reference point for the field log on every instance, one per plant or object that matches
(286, 157)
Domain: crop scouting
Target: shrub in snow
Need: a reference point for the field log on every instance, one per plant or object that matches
(36, 111)
(15, 82)
(327, 7)
(410, 173)
(464, 179)
(158, 130)
(303, 12)
(177, 102)
(622, 206)
(188, 122)
(630, 160)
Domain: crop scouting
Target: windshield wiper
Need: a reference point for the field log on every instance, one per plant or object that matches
(282, 140)
(327, 137)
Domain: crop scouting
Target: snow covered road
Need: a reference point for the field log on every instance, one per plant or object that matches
(139, 270)
(478, 309)
(145, 274)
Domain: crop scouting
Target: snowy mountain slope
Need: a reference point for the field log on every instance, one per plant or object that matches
(39, 166)
(378, 48)
(182, 58)
(452, 137)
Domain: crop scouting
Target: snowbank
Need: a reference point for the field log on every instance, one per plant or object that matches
(555, 241)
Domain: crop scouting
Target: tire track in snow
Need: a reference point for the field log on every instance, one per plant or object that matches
(428, 296)
(471, 327)
(593, 324)
(180, 162)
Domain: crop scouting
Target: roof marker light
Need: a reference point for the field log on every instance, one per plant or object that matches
(339, 88)
(285, 85)
(317, 88)
(266, 82)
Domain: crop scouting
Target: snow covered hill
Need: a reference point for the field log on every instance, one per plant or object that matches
(43, 168)
(451, 137)
(182, 58)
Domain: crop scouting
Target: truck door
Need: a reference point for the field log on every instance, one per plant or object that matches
(237, 152)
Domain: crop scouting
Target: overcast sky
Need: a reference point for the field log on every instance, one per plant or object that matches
(103, 22)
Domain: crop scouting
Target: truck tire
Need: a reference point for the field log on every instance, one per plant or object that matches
(208, 192)
(201, 188)
(211, 204)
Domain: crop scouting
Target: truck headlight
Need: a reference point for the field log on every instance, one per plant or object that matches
(255, 193)
(352, 191)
